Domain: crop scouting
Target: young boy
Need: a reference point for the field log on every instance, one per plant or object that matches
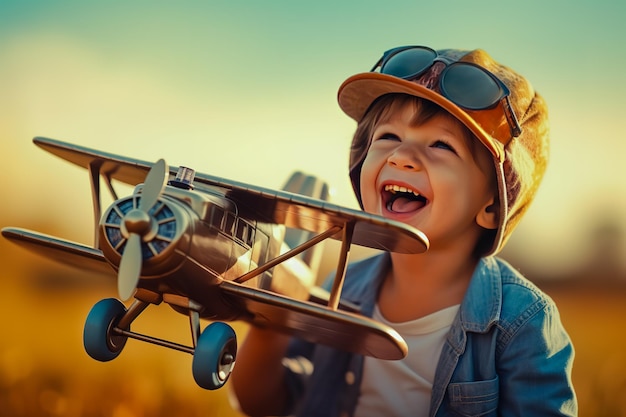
(456, 145)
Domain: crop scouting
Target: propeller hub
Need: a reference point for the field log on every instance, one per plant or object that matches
(138, 221)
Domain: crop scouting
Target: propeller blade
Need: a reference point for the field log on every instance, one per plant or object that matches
(153, 185)
(137, 223)
(130, 267)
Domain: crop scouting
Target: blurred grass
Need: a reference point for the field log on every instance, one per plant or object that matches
(593, 314)
(44, 370)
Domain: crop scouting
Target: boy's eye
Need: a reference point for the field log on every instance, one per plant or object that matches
(387, 136)
(443, 145)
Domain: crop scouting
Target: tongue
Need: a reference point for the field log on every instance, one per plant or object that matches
(404, 205)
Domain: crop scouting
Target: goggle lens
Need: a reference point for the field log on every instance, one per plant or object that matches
(408, 63)
(470, 87)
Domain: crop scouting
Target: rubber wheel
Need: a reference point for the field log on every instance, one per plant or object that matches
(98, 338)
(214, 356)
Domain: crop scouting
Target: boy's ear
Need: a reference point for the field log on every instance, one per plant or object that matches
(487, 217)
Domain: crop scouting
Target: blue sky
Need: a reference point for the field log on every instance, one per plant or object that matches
(247, 90)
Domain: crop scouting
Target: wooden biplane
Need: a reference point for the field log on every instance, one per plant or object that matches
(212, 249)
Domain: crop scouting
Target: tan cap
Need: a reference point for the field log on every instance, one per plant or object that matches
(519, 162)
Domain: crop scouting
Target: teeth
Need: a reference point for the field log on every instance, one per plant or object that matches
(399, 189)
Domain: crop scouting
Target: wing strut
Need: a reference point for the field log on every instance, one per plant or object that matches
(287, 255)
(107, 179)
(346, 241)
(94, 178)
(95, 171)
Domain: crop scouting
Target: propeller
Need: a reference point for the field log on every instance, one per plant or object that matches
(139, 223)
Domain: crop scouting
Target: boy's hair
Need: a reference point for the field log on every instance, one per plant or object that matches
(514, 129)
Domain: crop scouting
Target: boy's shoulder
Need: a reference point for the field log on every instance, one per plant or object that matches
(516, 298)
(515, 284)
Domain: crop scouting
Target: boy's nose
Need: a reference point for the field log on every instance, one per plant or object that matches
(403, 158)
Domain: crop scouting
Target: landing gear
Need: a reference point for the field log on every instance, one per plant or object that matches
(214, 356)
(108, 328)
(99, 338)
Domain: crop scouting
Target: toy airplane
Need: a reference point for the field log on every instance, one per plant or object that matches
(212, 249)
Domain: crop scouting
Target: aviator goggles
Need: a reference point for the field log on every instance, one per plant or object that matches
(467, 85)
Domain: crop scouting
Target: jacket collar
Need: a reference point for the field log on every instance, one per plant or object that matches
(482, 303)
(480, 307)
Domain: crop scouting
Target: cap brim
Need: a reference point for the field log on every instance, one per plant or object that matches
(358, 92)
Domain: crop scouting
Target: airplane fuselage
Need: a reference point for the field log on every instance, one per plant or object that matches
(197, 239)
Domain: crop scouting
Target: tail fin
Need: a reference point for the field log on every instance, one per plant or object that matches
(310, 186)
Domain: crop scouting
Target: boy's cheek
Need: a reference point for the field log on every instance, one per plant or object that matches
(369, 198)
(370, 171)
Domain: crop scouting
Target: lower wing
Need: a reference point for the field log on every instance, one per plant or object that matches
(318, 324)
(308, 320)
(60, 250)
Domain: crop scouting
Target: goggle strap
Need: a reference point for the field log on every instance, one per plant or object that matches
(377, 64)
(511, 118)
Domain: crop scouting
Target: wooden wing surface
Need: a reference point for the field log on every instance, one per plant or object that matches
(316, 323)
(70, 253)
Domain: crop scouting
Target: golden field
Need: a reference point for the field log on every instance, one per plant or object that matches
(44, 370)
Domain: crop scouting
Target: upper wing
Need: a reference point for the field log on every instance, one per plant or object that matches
(318, 324)
(263, 204)
(72, 253)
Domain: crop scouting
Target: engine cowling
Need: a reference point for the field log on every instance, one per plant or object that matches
(164, 243)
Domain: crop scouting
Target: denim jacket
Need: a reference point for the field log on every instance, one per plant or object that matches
(506, 354)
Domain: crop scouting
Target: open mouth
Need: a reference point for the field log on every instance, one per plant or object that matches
(400, 199)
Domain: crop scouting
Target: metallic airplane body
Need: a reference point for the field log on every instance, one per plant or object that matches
(214, 249)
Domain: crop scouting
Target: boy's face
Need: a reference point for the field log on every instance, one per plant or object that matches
(429, 176)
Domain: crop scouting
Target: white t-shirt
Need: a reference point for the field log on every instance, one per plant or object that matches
(402, 388)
